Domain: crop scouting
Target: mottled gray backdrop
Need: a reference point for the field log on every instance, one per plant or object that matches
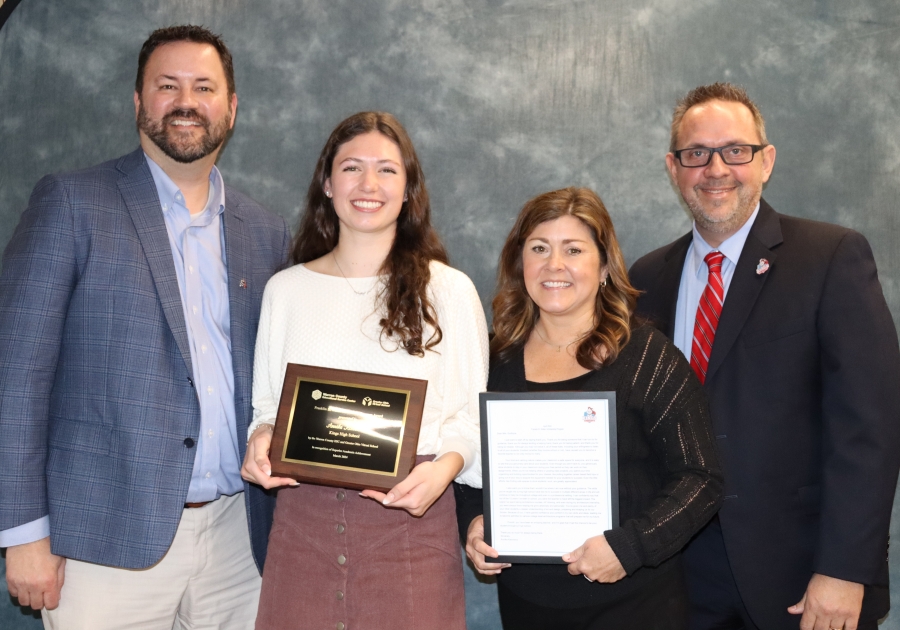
(503, 99)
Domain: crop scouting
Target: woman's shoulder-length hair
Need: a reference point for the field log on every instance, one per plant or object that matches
(515, 313)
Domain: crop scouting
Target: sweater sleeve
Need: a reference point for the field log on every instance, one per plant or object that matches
(265, 398)
(675, 419)
(464, 351)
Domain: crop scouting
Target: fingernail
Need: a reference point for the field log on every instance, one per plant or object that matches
(386, 501)
(296, 483)
(362, 495)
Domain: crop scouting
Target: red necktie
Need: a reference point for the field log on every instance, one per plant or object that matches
(708, 312)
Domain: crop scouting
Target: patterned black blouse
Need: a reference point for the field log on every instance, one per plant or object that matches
(670, 482)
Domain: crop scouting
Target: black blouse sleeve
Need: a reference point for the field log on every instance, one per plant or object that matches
(469, 504)
(667, 397)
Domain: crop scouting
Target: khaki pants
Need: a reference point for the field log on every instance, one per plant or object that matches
(207, 579)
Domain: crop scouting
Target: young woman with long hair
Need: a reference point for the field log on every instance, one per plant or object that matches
(370, 291)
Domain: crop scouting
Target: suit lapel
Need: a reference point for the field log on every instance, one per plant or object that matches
(670, 282)
(236, 260)
(139, 192)
(239, 298)
(745, 284)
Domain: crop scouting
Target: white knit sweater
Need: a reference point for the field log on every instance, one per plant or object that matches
(316, 319)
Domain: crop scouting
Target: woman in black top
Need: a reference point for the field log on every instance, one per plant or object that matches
(563, 320)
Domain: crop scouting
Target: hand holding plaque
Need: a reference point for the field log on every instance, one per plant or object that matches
(348, 429)
(256, 467)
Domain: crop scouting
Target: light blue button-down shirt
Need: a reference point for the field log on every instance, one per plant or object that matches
(694, 276)
(198, 250)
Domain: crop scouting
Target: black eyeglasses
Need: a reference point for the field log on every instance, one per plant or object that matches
(732, 154)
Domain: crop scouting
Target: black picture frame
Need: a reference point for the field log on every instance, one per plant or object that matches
(486, 463)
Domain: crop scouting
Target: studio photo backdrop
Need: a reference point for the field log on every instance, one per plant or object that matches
(504, 99)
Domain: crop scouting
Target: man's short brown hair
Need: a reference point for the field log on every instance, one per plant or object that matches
(184, 33)
(715, 92)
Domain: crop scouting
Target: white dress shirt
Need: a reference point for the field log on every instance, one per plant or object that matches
(694, 277)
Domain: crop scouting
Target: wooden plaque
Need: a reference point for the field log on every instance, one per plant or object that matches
(347, 429)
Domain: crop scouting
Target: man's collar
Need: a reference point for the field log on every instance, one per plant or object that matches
(730, 247)
(169, 192)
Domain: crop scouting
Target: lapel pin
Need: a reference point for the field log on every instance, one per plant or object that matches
(243, 283)
(762, 267)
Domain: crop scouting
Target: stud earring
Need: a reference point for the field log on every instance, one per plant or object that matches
(328, 194)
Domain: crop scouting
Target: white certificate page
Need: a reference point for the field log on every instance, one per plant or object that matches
(549, 474)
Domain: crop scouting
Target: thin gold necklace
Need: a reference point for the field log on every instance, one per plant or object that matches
(345, 277)
(558, 347)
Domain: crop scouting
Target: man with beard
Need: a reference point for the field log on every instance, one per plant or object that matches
(784, 321)
(129, 301)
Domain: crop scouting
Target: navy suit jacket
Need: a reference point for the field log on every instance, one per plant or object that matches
(98, 414)
(804, 390)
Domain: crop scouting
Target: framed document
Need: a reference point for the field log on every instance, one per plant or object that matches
(348, 429)
(550, 472)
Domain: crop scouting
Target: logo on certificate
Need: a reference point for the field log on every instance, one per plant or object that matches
(316, 394)
(590, 415)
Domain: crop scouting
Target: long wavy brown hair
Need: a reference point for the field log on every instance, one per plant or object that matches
(515, 313)
(407, 310)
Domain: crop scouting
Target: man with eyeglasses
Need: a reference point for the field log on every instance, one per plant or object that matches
(784, 321)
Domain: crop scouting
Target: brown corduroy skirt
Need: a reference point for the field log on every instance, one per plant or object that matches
(338, 560)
